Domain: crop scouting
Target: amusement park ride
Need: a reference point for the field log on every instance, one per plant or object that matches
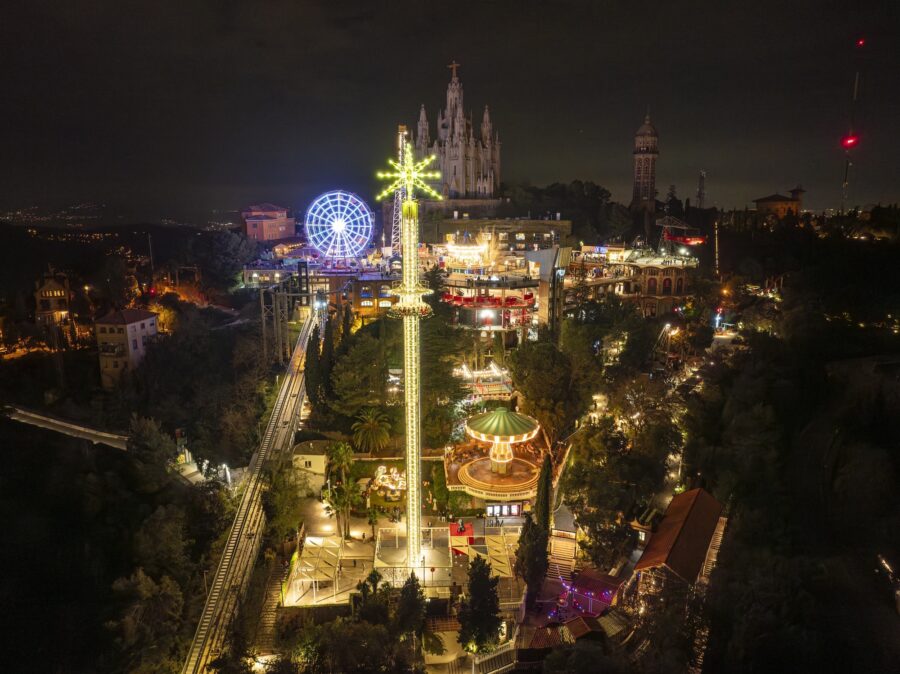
(678, 233)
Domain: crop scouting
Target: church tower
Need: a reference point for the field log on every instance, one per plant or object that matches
(646, 150)
(469, 162)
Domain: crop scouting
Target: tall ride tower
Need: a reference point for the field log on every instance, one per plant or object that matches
(646, 151)
(409, 175)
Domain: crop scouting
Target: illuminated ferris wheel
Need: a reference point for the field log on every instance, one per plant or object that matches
(339, 224)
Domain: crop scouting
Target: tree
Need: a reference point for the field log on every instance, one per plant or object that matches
(543, 375)
(359, 378)
(371, 431)
(439, 486)
(343, 498)
(498, 350)
(544, 494)
(148, 622)
(160, 546)
(479, 616)
(588, 655)
(340, 460)
(209, 512)
(312, 368)
(221, 255)
(327, 356)
(409, 616)
(283, 502)
(283, 664)
(373, 599)
(152, 450)
(347, 323)
(531, 557)
(372, 519)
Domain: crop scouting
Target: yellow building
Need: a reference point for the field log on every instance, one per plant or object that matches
(122, 339)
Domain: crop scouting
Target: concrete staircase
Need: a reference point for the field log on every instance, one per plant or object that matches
(265, 629)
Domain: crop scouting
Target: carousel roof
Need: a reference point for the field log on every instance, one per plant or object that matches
(502, 423)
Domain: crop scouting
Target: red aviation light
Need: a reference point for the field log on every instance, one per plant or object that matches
(850, 141)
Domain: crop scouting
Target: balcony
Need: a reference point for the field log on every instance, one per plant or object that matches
(112, 350)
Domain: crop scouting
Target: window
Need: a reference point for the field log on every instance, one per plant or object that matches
(651, 286)
(121, 331)
(642, 536)
(366, 303)
(307, 464)
(142, 326)
(102, 329)
(134, 344)
(679, 285)
(365, 291)
(143, 340)
(153, 323)
(667, 286)
(520, 236)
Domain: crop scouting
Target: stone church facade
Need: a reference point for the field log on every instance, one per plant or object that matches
(469, 163)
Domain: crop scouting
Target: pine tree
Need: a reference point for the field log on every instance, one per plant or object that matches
(347, 323)
(479, 617)
(544, 493)
(409, 616)
(531, 557)
(313, 368)
(327, 356)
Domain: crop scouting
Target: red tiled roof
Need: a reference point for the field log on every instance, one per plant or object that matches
(126, 317)
(549, 637)
(682, 538)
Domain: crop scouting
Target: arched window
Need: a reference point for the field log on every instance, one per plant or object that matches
(679, 285)
(667, 286)
(651, 286)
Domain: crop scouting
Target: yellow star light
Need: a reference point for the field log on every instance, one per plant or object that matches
(409, 175)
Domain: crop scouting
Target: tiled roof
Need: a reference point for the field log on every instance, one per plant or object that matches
(774, 197)
(682, 538)
(126, 317)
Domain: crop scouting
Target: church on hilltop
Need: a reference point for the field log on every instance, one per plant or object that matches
(469, 163)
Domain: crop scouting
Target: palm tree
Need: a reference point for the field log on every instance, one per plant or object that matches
(372, 431)
(341, 499)
(372, 518)
(340, 460)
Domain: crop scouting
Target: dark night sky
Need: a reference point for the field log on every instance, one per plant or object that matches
(214, 103)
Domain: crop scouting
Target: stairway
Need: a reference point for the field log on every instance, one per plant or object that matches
(712, 552)
(265, 629)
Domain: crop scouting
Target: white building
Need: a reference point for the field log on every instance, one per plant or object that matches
(122, 338)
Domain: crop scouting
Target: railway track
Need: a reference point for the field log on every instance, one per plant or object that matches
(241, 548)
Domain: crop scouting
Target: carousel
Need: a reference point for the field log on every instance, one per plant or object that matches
(509, 468)
(502, 428)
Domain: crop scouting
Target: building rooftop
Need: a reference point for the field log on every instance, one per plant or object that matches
(126, 317)
(264, 207)
(774, 198)
(682, 538)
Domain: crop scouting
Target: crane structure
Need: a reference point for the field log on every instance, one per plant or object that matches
(409, 175)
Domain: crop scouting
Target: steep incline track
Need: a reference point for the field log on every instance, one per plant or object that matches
(242, 546)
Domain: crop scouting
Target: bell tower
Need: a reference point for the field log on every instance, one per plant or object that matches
(646, 151)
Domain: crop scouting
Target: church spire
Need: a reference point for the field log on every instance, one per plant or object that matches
(486, 126)
(423, 139)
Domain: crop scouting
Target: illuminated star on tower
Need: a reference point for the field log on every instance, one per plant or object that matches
(409, 175)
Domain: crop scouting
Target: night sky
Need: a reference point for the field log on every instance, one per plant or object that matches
(171, 106)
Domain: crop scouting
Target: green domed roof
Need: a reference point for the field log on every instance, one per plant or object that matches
(501, 422)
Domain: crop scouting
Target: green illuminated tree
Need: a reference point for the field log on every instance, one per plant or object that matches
(542, 505)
